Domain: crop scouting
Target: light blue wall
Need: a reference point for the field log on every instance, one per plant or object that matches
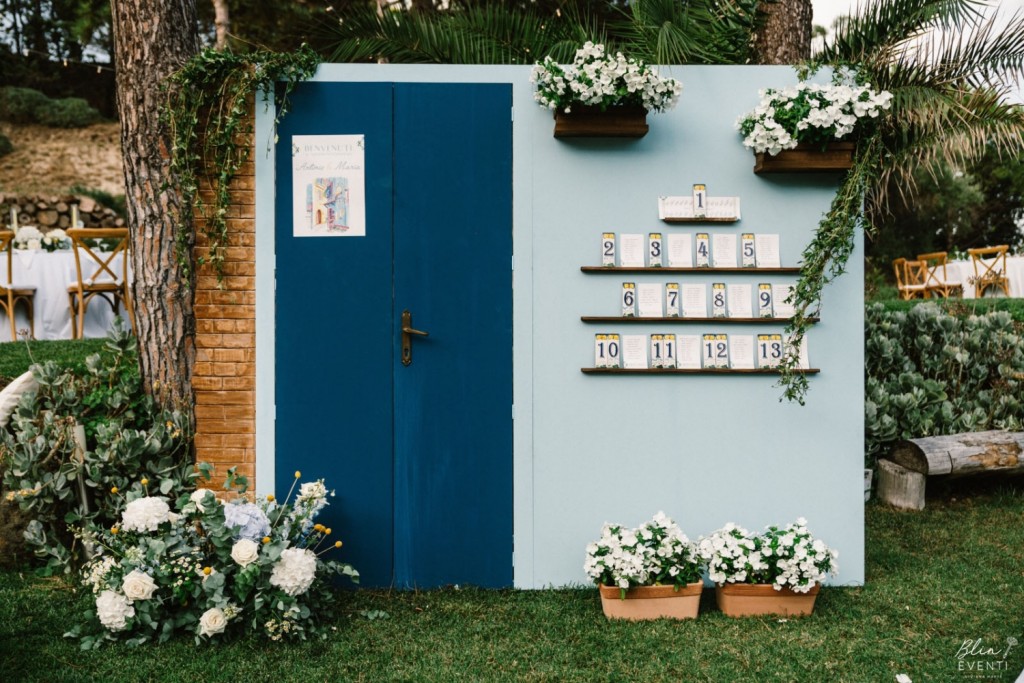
(590, 449)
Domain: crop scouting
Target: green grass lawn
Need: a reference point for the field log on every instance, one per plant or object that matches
(935, 579)
(16, 357)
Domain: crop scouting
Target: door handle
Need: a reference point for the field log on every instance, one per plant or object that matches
(407, 334)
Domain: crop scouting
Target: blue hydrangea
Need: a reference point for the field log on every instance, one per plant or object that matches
(247, 520)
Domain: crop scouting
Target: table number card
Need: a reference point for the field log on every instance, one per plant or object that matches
(723, 250)
(680, 251)
(632, 255)
(716, 350)
(695, 300)
(669, 350)
(628, 300)
(608, 249)
(718, 300)
(769, 350)
(654, 250)
(703, 250)
(606, 350)
(657, 350)
(741, 351)
(685, 207)
(780, 295)
(634, 351)
(689, 351)
(747, 253)
(764, 301)
(738, 297)
(672, 300)
(700, 205)
(649, 300)
(767, 251)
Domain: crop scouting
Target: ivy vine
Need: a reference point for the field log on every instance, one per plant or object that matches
(825, 258)
(207, 104)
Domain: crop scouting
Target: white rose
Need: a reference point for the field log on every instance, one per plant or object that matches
(138, 585)
(113, 610)
(198, 496)
(145, 514)
(212, 622)
(245, 552)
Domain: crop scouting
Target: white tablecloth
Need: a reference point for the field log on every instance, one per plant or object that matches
(963, 271)
(51, 273)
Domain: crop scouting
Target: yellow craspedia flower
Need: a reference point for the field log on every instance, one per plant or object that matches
(266, 539)
(145, 482)
(270, 497)
(207, 570)
(114, 529)
(327, 531)
(298, 474)
(170, 424)
(337, 544)
(318, 527)
(113, 489)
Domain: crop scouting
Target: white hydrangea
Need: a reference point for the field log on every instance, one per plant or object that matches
(295, 571)
(113, 610)
(145, 514)
(28, 237)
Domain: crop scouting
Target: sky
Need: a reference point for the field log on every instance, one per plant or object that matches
(825, 12)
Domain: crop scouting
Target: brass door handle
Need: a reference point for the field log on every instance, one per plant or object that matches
(407, 334)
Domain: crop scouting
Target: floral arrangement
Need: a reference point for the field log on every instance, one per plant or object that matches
(30, 237)
(601, 80)
(211, 569)
(655, 553)
(786, 558)
(810, 113)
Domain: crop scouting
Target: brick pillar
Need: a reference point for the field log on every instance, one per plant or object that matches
(224, 377)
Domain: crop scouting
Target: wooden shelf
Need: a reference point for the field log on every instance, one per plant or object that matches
(689, 219)
(648, 269)
(613, 319)
(693, 371)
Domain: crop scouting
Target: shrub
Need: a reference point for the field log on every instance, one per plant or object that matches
(20, 105)
(5, 145)
(70, 112)
(931, 373)
(127, 439)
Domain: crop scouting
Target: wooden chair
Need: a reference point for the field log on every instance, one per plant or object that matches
(937, 282)
(110, 286)
(990, 269)
(11, 294)
(911, 278)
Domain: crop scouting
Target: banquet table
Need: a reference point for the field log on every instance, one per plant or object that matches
(963, 271)
(51, 273)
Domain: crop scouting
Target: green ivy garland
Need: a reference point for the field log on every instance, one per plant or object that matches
(207, 115)
(825, 259)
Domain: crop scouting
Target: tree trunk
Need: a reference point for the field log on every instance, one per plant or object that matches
(959, 455)
(153, 38)
(783, 33)
(222, 21)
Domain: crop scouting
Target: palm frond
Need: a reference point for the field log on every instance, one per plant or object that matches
(688, 32)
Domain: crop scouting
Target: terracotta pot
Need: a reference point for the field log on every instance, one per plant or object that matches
(590, 122)
(756, 599)
(652, 602)
(837, 156)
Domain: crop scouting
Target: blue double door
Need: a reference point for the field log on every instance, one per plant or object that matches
(418, 452)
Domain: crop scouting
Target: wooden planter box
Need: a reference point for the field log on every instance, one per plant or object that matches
(838, 156)
(591, 122)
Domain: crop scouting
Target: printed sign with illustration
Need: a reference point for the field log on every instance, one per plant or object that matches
(328, 186)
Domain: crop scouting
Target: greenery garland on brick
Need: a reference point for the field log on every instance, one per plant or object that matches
(207, 114)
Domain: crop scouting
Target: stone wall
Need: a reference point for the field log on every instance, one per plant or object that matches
(55, 212)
